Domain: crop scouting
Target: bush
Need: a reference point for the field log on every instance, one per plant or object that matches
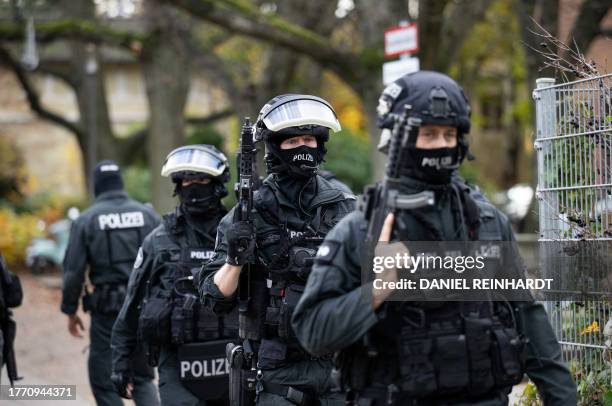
(12, 173)
(348, 157)
(137, 181)
(17, 232)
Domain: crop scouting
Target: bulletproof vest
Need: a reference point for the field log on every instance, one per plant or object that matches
(116, 231)
(423, 353)
(287, 246)
(172, 312)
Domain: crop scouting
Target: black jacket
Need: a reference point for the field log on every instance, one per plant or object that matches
(106, 238)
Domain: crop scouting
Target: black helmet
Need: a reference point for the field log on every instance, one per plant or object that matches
(432, 98)
(289, 115)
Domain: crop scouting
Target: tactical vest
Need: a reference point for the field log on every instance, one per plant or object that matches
(286, 250)
(425, 353)
(172, 313)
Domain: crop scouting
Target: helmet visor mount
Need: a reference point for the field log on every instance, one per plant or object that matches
(193, 159)
(299, 112)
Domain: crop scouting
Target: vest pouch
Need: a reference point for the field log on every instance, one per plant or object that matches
(154, 320)
(293, 293)
(207, 325)
(417, 372)
(252, 322)
(230, 324)
(478, 333)
(452, 365)
(182, 322)
(108, 299)
(272, 353)
(508, 353)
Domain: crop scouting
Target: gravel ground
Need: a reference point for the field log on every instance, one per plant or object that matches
(47, 354)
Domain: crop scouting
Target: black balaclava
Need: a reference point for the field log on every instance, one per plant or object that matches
(107, 177)
(302, 162)
(434, 166)
(201, 200)
(295, 168)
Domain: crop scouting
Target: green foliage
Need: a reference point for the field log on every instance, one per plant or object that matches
(137, 180)
(12, 174)
(206, 135)
(530, 396)
(348, 157)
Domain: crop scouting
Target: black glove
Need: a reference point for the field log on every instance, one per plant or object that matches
(240, 243)
(121, 380)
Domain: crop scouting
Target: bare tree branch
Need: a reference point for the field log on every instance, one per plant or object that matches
(246, 19)
(211, 118)
(58, 72)
(34, 99)
(82, 30)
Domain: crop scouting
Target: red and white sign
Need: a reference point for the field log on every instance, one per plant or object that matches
(401, 40)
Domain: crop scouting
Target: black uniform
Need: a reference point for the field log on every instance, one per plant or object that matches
(285, 235)
(170, 252)
(403, 368)
(106, 237)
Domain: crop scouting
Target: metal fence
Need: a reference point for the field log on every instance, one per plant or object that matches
(574, 154)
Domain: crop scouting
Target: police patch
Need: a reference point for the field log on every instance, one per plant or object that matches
(139, 258)
(327, 252)
(393, 90)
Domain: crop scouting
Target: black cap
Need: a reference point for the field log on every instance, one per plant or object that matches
(106, 177)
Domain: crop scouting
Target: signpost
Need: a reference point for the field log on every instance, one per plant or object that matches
(402, 41)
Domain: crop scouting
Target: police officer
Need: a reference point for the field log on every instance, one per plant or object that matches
(161, 311)
(106, 238)
(422, 353)
(293, 210)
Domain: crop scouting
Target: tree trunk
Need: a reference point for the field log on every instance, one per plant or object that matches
(88, 74)
(166, 68)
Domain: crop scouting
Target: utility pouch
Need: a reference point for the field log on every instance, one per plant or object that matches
(508, 354)
(182, 320)
(293, 293)
(418, 375)
(478, 333)
(87, 302)
(207, 325)
(272, 353)
(451, 359)
(107, 299)
(154, 320)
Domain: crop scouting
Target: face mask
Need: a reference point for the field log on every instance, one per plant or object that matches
(199, 198)
(434, 165)
(303, 161)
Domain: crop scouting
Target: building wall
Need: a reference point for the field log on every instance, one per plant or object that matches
(53, 159)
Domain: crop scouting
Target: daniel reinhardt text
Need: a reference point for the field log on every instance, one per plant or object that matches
(458, 264)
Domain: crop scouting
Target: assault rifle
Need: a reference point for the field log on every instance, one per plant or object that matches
(384, 197)
(245, 203)
(242, 379)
